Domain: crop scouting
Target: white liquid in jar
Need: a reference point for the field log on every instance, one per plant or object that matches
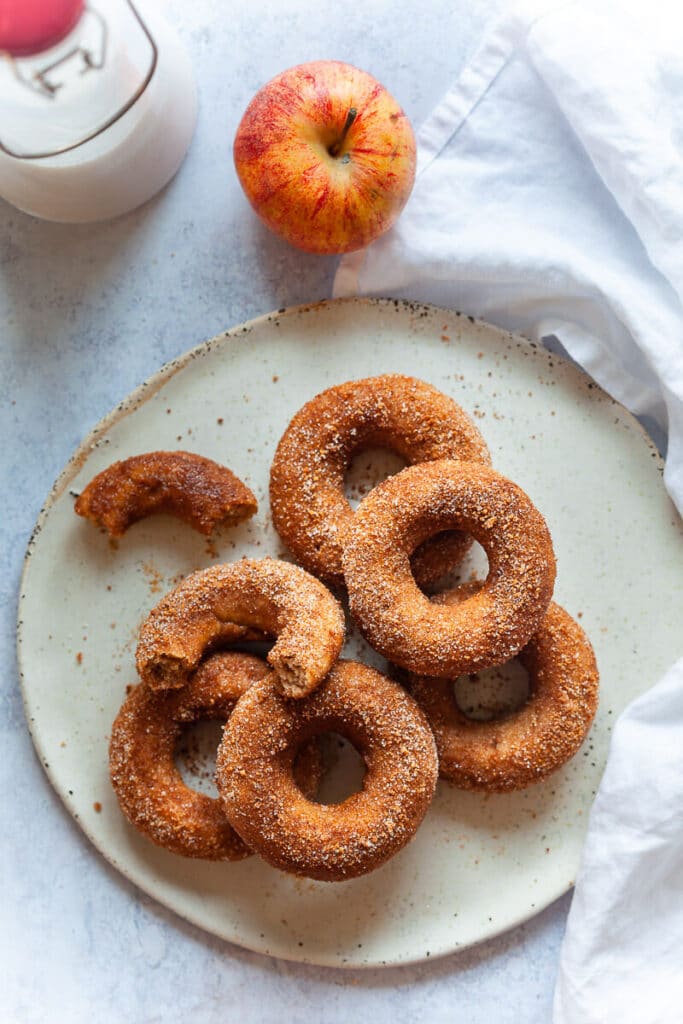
(127, 163)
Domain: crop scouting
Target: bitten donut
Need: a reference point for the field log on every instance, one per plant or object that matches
(280, 599)
(149, 787)
(309, 508)
(513, 752)
(397, 619)
(195, 489)
(336, 841)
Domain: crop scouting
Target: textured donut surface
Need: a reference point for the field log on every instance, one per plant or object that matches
(412, 418)
(195, 489)
(208, 607)
(528, 744)
(397, 619)
(337, 841)
(149, 787)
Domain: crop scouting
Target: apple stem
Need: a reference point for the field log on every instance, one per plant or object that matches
(350, 118)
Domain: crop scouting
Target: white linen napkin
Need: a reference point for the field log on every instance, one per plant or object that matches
(549, 199)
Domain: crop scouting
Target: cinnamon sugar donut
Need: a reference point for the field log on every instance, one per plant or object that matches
(397, 619)
(189, 486)
(338, 841)
(149, 787)
(309, 508)
(527, 745)
(280, 599)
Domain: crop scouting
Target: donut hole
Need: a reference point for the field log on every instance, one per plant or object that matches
(195, 755)
(343, 769)
(258, 648)
(474, 568)
(367, 469)
(493, 694)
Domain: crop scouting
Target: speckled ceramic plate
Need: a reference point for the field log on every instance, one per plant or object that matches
(478, 865)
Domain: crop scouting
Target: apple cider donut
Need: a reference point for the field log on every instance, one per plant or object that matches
(330, 842)
(149, 787)
(310, 511)
(397, 619)
(275, 597)
(527, 745)
(196, 490)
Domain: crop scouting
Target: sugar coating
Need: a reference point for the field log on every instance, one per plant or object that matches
(397, 619)
(216, 605)
(339, 841)
(309, 508)
(149, 788)
(527, 746)
(193, 488)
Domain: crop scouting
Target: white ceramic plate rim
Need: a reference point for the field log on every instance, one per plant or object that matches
(136, 398)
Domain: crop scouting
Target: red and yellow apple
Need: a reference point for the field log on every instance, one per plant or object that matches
(326, 157)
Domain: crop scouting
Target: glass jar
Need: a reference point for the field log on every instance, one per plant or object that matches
(97, 106)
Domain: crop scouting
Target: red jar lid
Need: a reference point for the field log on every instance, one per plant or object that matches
(31, 26)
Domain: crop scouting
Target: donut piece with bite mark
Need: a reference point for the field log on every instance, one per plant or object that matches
(191, 487)
(274, 597)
